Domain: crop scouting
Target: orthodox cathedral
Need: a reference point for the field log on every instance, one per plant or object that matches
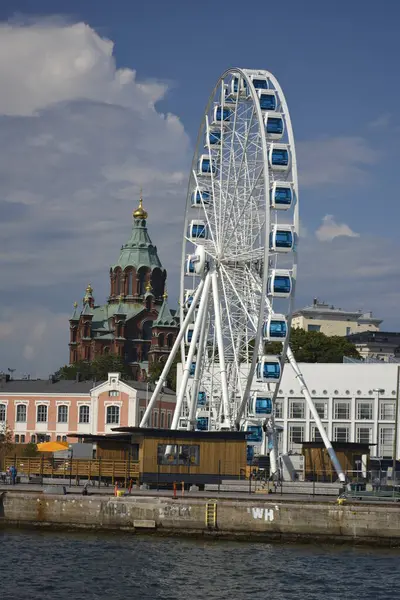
(135, 323)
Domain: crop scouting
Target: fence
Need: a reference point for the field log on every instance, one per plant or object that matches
(75, 468)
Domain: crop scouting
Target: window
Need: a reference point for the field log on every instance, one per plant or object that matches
(315, 434)
(84, 414)
(162, 423)
(296, 437)
(112, 415)
(179, 454)
(169, 419)
(341, 433)
(296, 410)
(23, 438)
(2, 413)
(388, 411)
(141, 415)
(386, 441)
(41, 414)
(64, 438)
(155, 419)
(33, 439)
(161, 339)
(278, 410)
(130, 283)
(313, 327)
(62, 416)
(16, 439)
(364, 410)
(113, 393)
(21, 413)
(58, 438)
(364, 435)
(342, 409)
(322, 409)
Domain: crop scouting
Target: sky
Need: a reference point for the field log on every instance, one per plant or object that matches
(98, 99)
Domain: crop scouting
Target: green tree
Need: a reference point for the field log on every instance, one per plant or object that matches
(155, 371)
(6, 439)
(97, 370)
(316, 347)
(30, 450)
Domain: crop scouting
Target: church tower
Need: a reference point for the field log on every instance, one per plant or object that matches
(128, 324)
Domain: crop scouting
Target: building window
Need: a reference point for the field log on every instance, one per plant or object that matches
(341, 433)
(364, 435)
(322, 409)
(342, 410)
(58, 438)
(161, 339)
(112, 415)
(41, 414)
(169, 419)
(16, 438)
(296, 437)
(386, 441)
(170, 340)
(162, 422)
(33, 439)
(313, 327)
(296, 410)
(114, 393)
(64, 438)
(155, 419)
(141, 415)
(315, 434)
(178, 454)
(278, 410)
(23, 438)
(62, 414)
(348, 330)
(364, 410)
(2, 413)
(387, 411)
(84, 414)
(21, 413)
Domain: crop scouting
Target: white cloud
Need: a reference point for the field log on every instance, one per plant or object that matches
(330, 230)
(79, 139)
(381, 123)
(335, 161)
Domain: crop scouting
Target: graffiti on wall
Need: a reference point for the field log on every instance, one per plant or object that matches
(266, 514)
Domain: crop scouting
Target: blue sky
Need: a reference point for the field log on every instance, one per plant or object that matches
(80, 137)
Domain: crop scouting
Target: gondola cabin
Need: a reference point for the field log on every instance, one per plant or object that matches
(202, 419)
(259, 82)
(281, 238)
(192, 369)
(279, 284)
(268, 369)
(197, 230)
(238, 85)
(222, 114)
(213, 138)
(267, 99)
(189, 334)
(254, 432)
(260, 406)
(188, 299)
(201, 399)
(165, 456)
(281, 195)
(279, 157)
(274, 126)
(206, 165)
(275, 328)
(200, 197)
(190, 270)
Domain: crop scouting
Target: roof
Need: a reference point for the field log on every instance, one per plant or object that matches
(330, 310)
(165, 318)
(171, 433)
(139, 250)
(65, 386)
(340, 446)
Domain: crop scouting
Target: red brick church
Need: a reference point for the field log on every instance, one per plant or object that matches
(135, 323)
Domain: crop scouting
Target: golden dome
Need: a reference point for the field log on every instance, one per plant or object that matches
(89, 290)
(140, 213)
(75, 304)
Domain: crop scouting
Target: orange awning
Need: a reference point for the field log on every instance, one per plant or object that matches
(52, 446)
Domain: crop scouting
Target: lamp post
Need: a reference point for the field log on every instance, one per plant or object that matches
(396, 421)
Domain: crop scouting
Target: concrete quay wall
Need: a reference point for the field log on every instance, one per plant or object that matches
(235, 518)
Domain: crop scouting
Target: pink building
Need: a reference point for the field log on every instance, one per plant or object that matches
(39, 410)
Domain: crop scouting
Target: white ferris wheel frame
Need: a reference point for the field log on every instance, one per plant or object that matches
(207, 294)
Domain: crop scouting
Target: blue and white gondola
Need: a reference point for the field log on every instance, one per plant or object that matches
(206, 166)
(279, 284)
(222, 114)
(282, 238)
(279, 157)
(197, 230)
(260, 406)
(200, 197)
(268, 369)
(281, 195)
(274, 125)
(268, 100)
(275, 328)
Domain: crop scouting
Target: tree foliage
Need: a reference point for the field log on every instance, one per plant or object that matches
(155, 371)
(6, 439)
(96, 370)
(316, 347)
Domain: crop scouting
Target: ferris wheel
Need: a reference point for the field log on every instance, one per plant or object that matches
(239, 260)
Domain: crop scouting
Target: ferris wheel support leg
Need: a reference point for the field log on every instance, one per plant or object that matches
(318, 422)
(172, 355)
(192, 349)
(196, 381)
(221, 355)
